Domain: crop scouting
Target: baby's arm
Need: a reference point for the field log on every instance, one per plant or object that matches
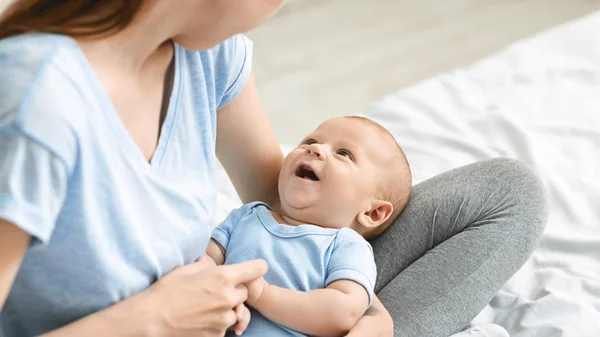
(323, 312)
(216, 252)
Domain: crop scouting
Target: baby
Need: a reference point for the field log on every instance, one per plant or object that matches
(343, 185)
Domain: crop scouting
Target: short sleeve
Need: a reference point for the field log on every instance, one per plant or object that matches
(33, 184)
(352, 259)
(236, 67)
(223, 232)
(37, 144)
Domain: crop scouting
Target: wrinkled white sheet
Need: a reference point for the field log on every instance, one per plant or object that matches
(537, 101)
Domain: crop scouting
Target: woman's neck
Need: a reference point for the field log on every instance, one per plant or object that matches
(141, 45)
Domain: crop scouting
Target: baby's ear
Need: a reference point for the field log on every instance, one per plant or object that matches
(379, 212)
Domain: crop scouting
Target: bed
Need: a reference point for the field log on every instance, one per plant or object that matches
(537, 101)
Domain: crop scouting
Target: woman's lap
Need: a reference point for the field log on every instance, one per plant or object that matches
(463, 234)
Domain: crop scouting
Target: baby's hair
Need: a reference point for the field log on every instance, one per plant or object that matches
(396, 183)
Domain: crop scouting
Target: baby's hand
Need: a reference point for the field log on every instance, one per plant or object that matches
(255, 290)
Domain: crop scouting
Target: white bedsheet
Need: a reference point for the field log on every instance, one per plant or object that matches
(537, 101)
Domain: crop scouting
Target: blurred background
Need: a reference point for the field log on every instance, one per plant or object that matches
(321, 58)
(318, 59)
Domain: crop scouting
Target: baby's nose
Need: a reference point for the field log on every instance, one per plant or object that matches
(317, 150)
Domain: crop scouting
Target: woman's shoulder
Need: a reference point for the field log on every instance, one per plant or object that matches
(28, 54)
(39, 97)
(224, 68)
(223, 52)
(34, 68)
(32, 42)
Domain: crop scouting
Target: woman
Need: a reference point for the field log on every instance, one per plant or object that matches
(112, 116)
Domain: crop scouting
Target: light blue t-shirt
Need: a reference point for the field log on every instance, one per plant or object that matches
(303, 258)
(105, 223)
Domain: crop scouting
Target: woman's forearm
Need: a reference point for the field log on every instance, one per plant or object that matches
(196, 299)
(128, 318)
(247, 147)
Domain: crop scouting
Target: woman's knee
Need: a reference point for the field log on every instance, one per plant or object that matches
(531, 210)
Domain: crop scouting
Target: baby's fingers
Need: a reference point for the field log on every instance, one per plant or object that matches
(243, 319)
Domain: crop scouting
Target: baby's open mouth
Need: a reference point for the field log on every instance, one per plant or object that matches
(305, 172)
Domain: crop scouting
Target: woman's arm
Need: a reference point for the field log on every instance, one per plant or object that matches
(247, 147)
(322, 312)
(198, 298)
(129, 318)
(13, 245)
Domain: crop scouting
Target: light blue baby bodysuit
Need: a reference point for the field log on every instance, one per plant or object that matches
(304, 258)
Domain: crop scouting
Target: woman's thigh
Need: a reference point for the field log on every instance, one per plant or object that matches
(462, 235)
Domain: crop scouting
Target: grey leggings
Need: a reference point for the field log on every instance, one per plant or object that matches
(462, 235)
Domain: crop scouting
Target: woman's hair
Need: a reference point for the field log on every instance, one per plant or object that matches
(69, 17)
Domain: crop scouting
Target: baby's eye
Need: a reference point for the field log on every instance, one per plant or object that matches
(310, 141)
(345, 153)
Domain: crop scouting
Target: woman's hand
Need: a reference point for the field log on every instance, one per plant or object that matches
(376, 322)
(202, 299)
(196, 300)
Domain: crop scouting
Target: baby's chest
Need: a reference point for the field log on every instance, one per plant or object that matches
(298, 263)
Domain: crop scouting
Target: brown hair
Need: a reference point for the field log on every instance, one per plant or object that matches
(69, 17)
(396, 183)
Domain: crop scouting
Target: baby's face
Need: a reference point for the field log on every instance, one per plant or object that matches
(331, 176)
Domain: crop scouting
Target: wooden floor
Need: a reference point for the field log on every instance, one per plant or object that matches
(322, 58)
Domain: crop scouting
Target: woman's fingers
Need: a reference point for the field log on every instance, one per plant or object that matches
(244, 272)
(206, 297)
(243, 319)
(207, 261)
(236, 296)
(201, 265)
(226, 319)
(227, 283)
